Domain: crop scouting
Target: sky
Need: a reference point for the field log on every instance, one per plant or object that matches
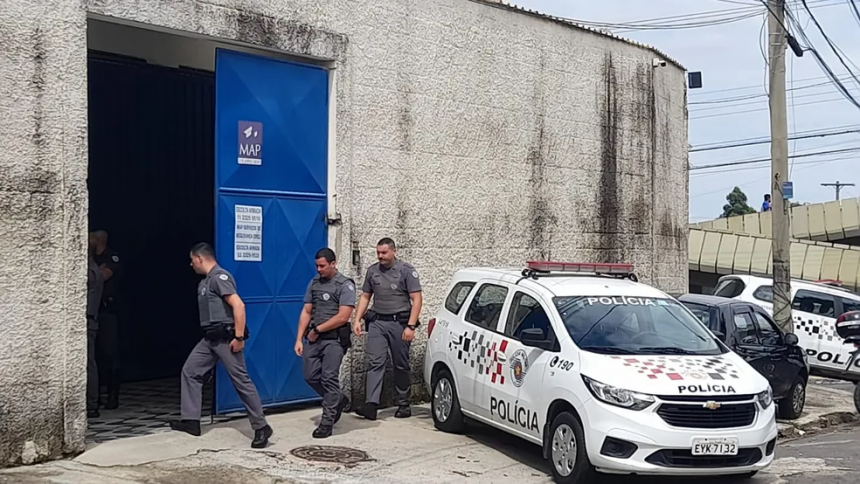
(733, 66)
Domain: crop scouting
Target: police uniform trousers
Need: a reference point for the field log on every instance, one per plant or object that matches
(92, 366)
(202, 359)
(383, 336)
(108, 346)
(321, 367)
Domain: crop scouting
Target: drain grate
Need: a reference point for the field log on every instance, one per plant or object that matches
(332, 454)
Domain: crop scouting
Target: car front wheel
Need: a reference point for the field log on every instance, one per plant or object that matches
(445, 406)
(791, 407)
(567, 455)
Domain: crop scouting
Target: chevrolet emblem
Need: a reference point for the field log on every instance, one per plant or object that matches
(712, 405)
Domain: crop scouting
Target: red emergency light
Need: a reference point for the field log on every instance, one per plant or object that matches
(591, 268)
(830, 282)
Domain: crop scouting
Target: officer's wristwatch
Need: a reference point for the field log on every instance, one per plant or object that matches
(413, 328)
(239, 338)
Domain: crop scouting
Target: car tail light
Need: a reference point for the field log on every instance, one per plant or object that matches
(430, 325)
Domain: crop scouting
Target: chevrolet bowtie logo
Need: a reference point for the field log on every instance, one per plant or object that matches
(712, 405)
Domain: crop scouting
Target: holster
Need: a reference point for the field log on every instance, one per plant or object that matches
(369, 317)
(223, 332)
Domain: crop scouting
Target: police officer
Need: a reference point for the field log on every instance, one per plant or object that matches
(95, 286)
(324, 323)
(108, 339)
(391, 324)
(222, 317)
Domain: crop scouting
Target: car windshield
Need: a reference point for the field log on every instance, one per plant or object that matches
(624, 325)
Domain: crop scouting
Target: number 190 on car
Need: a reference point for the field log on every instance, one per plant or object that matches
(715, 447)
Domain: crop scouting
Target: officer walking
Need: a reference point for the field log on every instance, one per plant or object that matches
(95, 286)
(108, 339)
(324, 322)
(391, 324)
(222, 317)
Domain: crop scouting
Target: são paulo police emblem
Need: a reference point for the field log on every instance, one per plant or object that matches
(326, 296)
(519, 367)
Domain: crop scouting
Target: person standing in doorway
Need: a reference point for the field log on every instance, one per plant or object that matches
(108, 341)
(324, 336)
(222, 317)
(391, 323)
(765, 205)
(95, 287)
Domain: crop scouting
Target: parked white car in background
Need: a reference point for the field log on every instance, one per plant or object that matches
(814, 309)
(606, 374)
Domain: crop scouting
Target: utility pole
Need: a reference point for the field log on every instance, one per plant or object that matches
(838, 186)
(779, 167)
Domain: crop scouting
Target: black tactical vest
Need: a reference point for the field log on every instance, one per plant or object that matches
(212, 307)
(325, 294)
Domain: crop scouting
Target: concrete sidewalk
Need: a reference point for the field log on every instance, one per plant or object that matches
(388, 450)
(828, 403)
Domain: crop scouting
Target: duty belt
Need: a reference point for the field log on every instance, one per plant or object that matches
(400, 317)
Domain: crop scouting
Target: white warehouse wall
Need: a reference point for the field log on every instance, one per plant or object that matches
(471, 133)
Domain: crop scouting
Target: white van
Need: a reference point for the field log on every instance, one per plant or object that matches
(814, 309)
(606, 374)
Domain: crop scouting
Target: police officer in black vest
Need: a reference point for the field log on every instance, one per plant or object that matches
(109, 322)
(391, 323)
(324, 336)
(222, 318)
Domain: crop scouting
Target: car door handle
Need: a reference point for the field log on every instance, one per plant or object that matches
(501, 357)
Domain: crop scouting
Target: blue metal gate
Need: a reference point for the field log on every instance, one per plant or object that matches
(271, 142)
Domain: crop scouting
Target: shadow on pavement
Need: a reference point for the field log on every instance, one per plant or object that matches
(530, 455)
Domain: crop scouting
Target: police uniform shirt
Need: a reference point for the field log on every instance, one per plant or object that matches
(109, 259)
(327, 295)
(391, 287)
(211, 292)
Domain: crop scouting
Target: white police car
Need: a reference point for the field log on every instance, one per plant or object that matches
(604, 373)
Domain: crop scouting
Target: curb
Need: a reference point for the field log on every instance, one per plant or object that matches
(828, 420)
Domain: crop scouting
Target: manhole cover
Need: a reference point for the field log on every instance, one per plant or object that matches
(326, 453)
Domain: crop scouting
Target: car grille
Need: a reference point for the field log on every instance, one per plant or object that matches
(685, 458)
(696, 416)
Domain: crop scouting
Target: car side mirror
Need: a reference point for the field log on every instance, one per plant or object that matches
(791, 339)
(536, 338)
(720, 335)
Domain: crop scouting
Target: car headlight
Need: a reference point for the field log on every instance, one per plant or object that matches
(618, 396)
(765, 398)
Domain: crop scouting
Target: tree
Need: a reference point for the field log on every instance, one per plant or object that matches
(737, 204)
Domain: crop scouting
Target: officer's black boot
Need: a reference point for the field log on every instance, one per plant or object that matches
(191, 427)
(113, 392)
(403, 412)
(368, 411)
(344, 402)
(93, 413)
(261, 437)
(322, 432)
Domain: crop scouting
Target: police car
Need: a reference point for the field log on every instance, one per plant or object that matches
(814, 309)
(606, 374)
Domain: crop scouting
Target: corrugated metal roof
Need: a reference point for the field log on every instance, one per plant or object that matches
(570, 23)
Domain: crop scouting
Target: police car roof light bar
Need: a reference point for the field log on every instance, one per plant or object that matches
(830, 282)
(534, 269)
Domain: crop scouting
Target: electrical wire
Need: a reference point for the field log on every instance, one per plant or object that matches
(762, 141)
(855, 10)
(833, 47)
(750, 102)
(733, 113)
(767, 160)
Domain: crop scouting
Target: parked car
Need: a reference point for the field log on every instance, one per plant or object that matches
(814, 309)
(751, 333)
(604, 373)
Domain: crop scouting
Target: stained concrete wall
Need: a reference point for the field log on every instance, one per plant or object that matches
(471, 133)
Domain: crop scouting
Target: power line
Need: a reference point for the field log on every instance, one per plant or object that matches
(735, 169)
(735, 104)
(740, 144)
(747, 97)
(829, 42)
(717, 115)
(767, 160)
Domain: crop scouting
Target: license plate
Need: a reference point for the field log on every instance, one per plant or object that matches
(715, 447)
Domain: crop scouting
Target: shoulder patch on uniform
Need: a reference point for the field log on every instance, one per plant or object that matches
(115, 258)
(223, 277)
(350, 286)
(415, 274)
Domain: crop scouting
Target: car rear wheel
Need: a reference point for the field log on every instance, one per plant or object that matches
(567, 455)
(445, 406)
(857, 398)
(791, 407)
